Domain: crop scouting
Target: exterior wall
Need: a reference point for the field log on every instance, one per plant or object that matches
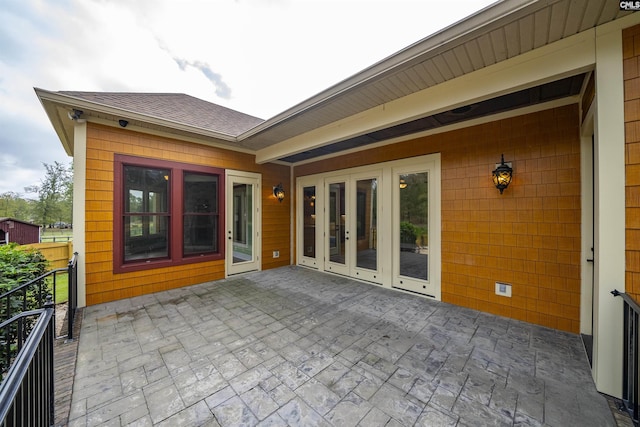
(103, 142)
(20, 232)
(528, 237)
(631, 55)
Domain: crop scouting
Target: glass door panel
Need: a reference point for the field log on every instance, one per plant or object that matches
(337, 216)
(242, 222)
(309, 220)
(337, 232)
(367, 224)
(414, 225)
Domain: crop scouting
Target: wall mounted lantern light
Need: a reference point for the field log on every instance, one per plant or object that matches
(278, 192)
(502, 175)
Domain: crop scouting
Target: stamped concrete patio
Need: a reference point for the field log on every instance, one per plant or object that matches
(297, 347)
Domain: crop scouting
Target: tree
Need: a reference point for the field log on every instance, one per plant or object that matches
(54, 194)
(14, 206)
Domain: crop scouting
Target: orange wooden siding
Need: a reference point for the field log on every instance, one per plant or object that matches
(528, 237)
(103, 142)
(631, 66)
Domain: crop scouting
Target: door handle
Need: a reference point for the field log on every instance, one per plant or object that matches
(590, 260)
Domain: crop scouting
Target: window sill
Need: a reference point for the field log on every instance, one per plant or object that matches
(164, 263)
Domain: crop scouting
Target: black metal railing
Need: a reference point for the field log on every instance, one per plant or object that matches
(27, 390)
(72, 303)
(631, 356)
(34, 293)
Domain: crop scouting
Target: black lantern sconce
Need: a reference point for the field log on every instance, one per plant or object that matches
(278, 192)
(502, 175)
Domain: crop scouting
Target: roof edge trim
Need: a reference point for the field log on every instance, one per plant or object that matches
(63, 99)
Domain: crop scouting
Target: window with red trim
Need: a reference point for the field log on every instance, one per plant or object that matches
(166, 213)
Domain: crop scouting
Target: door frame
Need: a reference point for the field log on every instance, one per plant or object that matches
(255, 264)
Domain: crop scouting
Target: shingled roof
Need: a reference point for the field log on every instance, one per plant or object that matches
(176, 107)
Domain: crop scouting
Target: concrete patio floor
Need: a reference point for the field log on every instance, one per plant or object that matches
(293, 346)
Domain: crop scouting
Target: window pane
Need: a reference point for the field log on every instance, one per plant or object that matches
(146, 190)
(146, 234)
(134, 226)
(414, 225)
(200, 234)
(200, 193)
(135, 201)
(139, 243)
(200, 221)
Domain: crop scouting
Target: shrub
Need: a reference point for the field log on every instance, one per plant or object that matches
(17, 267)
(408, 232)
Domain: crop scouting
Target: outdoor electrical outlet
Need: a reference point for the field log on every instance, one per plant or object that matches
(503, 289)
(276, 254)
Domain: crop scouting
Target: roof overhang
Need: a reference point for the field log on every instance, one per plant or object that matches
(59, 106)
(446, 71)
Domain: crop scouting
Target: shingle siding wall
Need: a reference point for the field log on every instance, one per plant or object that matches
(103, 142)
(528, 237)
(631, 56)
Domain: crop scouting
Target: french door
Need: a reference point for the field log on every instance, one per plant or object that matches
(413, 230)
(242, 222)
(379, 223)
(309, 204)
(351, 227)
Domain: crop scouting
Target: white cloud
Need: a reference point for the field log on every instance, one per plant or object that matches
(256, 56)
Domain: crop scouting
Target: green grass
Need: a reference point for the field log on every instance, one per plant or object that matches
(62, 287)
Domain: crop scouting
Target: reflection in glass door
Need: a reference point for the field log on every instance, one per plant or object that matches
(412, 233)
(366, 229)
(309, 212)
(242, 223)
(307, 240)
(414, 225)
(337, 235)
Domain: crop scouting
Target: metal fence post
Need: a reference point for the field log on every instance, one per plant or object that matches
(72, 279)
(50, 306)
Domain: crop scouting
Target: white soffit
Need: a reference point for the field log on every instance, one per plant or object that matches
(567, 57)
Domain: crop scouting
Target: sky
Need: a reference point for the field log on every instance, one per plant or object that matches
(259, 57)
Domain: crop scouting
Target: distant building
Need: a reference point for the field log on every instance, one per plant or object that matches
(21, 232)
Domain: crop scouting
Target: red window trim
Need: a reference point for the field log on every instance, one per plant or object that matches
(175, 206)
